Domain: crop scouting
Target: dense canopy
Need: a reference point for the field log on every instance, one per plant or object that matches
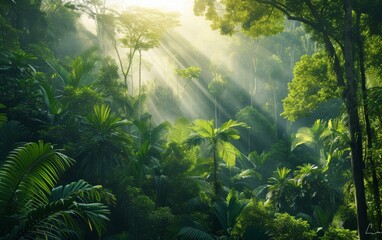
(252, 119)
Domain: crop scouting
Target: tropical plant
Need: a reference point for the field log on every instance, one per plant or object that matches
(217, 141)
(148, 147)
(104, 142)
(80, 71)
(314, 138)
(31, 209)
(227, 211)
(279, 187)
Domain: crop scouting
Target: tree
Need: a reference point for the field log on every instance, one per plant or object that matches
(103, 143)
(189, 74)
(148, 147)
(279, 189)
(140, 29)
(227, 211)
(314, 82)
(216, 88)
(314, 138)
(218, 143)
(332, 24)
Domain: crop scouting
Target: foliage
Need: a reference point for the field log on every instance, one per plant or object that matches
(253, 223)
(313, 83)
(339, 234)
(104, 142)
(30, 208)
(286, 227)
(229, 211)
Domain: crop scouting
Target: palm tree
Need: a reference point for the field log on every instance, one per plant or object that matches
(279, 185)
(80, 72)
(150, 142)
(217, 141)
(31, 209)
(314, 138)
(104, 141)
(227, 211)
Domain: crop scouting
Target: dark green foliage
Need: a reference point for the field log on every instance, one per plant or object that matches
(261, 133)
(30, 208)
(253, 223)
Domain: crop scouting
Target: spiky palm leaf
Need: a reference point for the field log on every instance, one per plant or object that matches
(278, 186)
(29, 209)
(28, 174)
(68, 207)
(194, 231)
(102, 119)
(11, 135)
(217, 139)
(191, 233)
(229, 211)
(3, 116)
(179, 131)
(305, 172)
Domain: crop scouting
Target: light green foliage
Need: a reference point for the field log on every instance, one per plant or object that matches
(314, 138)
(189, 74)
(313, 83)
(254, 19)
(286, 227)
(339, 234)
(217, 138)
(217, 85)
(144, 32)
(179, 131)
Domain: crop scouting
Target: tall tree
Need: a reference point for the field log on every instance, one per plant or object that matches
(138, 29)
(331, 23)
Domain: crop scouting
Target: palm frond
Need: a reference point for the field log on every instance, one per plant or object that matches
(3, 116)
(191, 233)
(60, 71)
(305, 136)
(27, 172)
(228, 153)
(203, 127)
(228, 130)
(62, 216)
(179, 131)
(11, 135)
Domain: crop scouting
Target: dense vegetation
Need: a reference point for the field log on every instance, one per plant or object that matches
(283, 144)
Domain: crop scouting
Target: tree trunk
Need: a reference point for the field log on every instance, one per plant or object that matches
(215, 174)
(140, 85)
(369, 135)
(350, 97)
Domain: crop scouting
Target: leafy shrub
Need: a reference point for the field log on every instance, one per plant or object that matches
(286, 227)
(339, 234)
